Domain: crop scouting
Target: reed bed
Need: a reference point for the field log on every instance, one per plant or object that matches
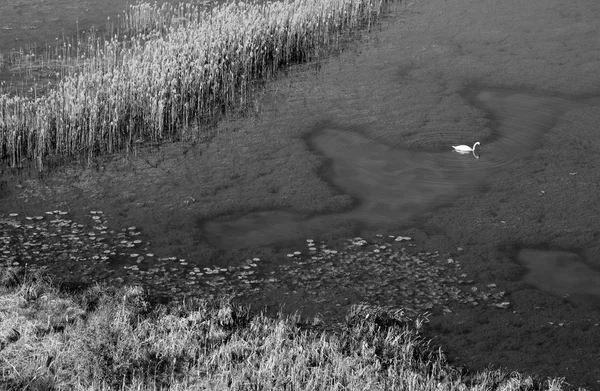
(167, 72)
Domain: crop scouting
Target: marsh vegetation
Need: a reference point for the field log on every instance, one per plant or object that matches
(106, 338)
(167, 73)
(123, 339)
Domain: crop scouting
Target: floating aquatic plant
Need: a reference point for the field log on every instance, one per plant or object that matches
(380, 272)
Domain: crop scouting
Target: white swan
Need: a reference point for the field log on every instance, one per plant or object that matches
(465, 148)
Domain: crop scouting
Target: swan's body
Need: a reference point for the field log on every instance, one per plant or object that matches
(465, 148)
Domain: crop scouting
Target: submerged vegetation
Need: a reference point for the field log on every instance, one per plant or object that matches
(106, 338)
(169, 71)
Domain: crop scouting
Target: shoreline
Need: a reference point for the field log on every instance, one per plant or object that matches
(92, 325)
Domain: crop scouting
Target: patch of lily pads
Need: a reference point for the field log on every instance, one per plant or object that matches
(383, 272)
(92, 252)
(54, 241)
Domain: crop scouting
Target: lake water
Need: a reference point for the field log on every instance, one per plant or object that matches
(563, 273)
(392, 185)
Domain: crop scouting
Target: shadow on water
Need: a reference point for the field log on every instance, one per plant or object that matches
(391, 185)
(562, 273)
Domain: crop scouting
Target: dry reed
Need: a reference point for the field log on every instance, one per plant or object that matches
(167, 71)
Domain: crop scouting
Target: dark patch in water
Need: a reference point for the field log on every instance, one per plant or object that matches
(560, 272)
(393, 186)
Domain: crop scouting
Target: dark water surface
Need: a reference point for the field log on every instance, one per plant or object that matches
(563, 273)
(393, 185)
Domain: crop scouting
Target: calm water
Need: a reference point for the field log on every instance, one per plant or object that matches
(392, 185)
(562, 273)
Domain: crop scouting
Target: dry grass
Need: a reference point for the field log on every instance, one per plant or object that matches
(106, 338)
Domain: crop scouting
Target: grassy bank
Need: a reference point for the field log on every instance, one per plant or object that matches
(106, 338)
(169, 71)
